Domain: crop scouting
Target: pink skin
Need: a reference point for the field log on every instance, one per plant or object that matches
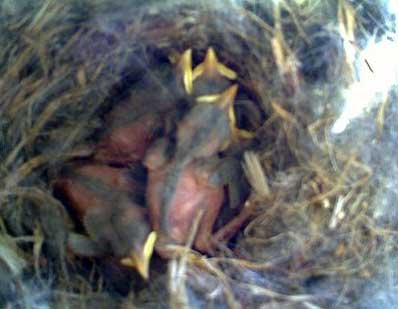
(79, 197)
(102, 198)
(192, 193)
(128, 143)
(82, 198)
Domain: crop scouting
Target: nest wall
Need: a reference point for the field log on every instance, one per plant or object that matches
(324, 233)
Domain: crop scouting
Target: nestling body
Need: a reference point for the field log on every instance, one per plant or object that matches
(107, 200)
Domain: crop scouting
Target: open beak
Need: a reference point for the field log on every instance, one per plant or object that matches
(141, 260)
(184, 67)
(211, 67)
(225, 101)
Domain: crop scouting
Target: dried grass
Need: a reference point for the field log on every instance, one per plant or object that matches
(314, 242)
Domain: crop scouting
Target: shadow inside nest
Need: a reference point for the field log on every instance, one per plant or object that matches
(312, 240)
(149, 86)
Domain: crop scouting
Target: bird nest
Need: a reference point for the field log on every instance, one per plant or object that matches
(319, 237)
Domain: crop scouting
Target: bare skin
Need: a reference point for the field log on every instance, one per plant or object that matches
(183, 184)
(197, 188)
(117, 225)
(128, 143)
(196, 138)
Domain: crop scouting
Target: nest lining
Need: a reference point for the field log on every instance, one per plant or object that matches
(315, 239)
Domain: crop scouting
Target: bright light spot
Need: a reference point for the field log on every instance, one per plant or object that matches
(392, 6)
(362, 94)
(383, 60)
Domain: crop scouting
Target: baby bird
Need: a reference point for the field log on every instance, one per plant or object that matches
(205, 128)
(198, 189)
(211, 77)
(134, 124)
(108, 202)
(189, 193)
(184, 182)
(128, 143)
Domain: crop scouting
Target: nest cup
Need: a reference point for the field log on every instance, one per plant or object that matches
(314, 241)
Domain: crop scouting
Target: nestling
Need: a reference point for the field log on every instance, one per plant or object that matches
(107, 201)
(183, 184)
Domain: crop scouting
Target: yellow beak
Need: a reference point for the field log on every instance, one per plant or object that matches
(141, 260)
(184, 67)
(211, 67)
